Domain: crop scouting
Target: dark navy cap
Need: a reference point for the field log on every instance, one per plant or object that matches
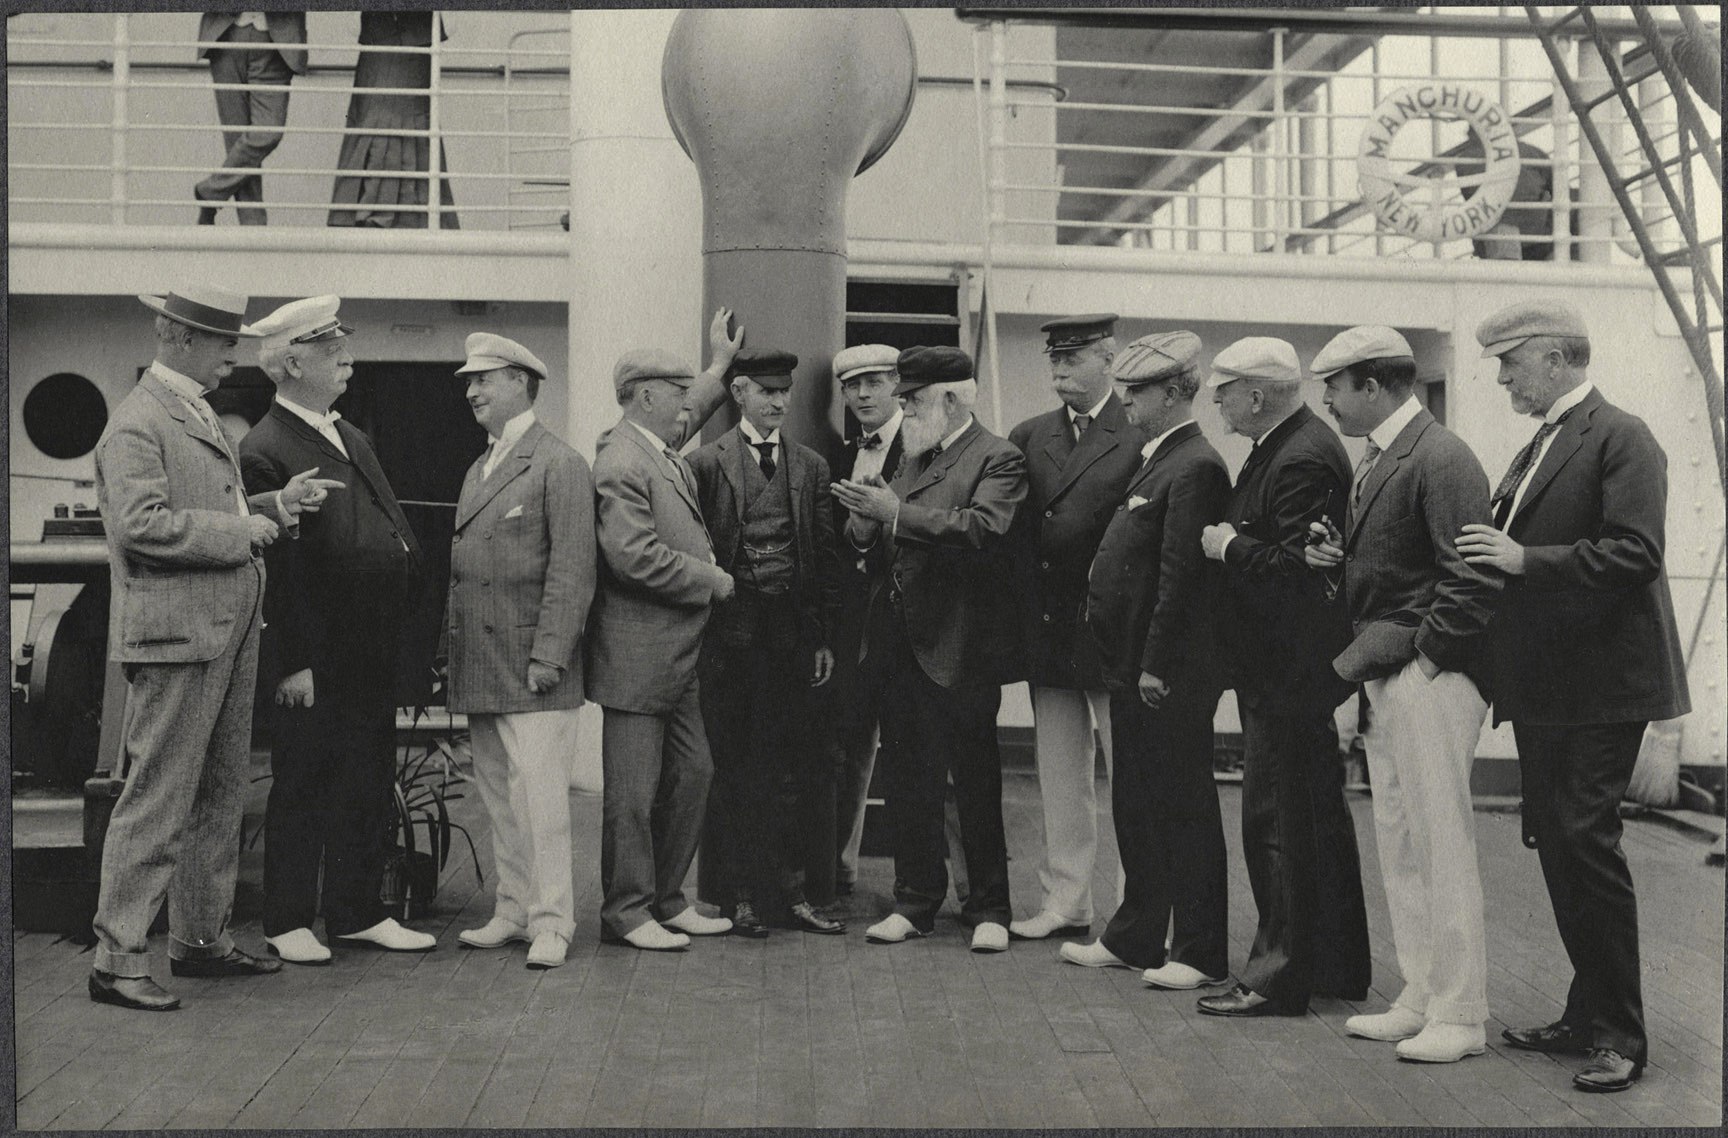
(921, 366)
(1078, 331)
(769, 367)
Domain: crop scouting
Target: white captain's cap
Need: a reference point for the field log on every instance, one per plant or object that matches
(303, 321)
(488, 351)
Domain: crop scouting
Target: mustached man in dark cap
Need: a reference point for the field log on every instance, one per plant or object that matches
(184, 546)
(942, 618)
(1079, 459)
(1583, 654)
(771, 519)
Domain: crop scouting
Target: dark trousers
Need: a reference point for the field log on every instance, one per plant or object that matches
(1170, 834)
(1574, 779)
(1299, 844)
(852, 706)
(331, 770)
(930, 732)
(259, 112)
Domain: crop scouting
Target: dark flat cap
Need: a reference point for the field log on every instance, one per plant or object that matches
(769, 367)
(920, 367)
(1078, 331)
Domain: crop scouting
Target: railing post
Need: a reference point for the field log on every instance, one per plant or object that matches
(1560, 109)
(1280, 146)
(1374, 93)
(1307, 173)
(1596, 206)
(117, 133)
(998, 127)
(1436, 197)
(434, 144)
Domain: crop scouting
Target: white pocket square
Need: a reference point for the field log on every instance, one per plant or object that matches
(515, 512)
(1136, 501)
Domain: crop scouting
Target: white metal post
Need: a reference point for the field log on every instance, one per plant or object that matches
(1280, 146)
(1596, 205)
(998, 201)
(434, 144)
(117, 142)
(1560, 111)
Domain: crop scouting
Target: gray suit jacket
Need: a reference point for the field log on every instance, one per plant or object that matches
(657, 577)
(286, 29)
(521, 577)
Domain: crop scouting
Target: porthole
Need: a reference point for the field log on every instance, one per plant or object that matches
(64, 415)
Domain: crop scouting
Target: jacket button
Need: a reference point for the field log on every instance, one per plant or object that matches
(228, 489)
(1049, 513)
(376, 502)
(1046, 618)
(486, 580)
(456, 538)
(1122, 507)
(1043, 565)
(486, 628)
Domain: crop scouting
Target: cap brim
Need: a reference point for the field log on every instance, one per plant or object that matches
(867, 369)
(908, 386)
(159, 305)
(1501, 347)
(482, 363)
(1219, 379)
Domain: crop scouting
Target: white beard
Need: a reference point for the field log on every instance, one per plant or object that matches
(921, 434)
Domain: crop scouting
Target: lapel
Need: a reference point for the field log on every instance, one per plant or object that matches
(729, 444)
(938, 468)
(1058, 439)
(1567, 442)
(1273, 442)
(310, 433)
(476, 493)
(1390, 458)
(1171, 445)
(1099, 440)
(189, 420)
(684, 490)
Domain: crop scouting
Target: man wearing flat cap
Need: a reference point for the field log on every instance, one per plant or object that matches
(771, 520)
(1583, 654)
(1079, 459)
(183, 555)
(942, 624)
(522, 573)
(1149, 611)
(1418, 611)
(333, 616)
(1280, 626)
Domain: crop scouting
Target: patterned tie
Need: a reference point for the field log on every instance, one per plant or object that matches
(1081, 422)
(767, 459)
(1369, 458)
(677, 460)
(1521, 464)
(870, 441)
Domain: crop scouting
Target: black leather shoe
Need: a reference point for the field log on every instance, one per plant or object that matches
(206, 214)
(1350, 995)
(1240, 1002)
(1608, 1070)
(805, 916)
(140, 993)
(745, 922)
(1557, 1039)
(236, 963)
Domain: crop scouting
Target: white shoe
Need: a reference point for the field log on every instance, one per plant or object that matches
(1444, 1043)
(548, 950)
(1389, 1026)
(1179, 977)
(392, 937)
(298, 946)
(893, 929)
(495, 933)
(694, 923)
(1047, 924)
(1093, 955)
(990, 937)
(656, 937)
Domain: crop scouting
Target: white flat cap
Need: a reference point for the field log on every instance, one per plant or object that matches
(1354, 345)
(1256, 357)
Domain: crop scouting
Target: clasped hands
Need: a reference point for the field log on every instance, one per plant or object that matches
(869, 498)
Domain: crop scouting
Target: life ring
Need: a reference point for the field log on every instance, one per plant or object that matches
(1383, 191)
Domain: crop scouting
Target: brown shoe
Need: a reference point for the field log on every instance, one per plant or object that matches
(236, 963)
(140, 993)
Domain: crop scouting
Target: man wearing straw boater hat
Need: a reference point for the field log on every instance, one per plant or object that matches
(184, 546)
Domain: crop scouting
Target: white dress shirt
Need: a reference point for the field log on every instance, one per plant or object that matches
(324, 424)
(1091, 416)
(253, 20)
(1387, 432)
(1561, 405)
(874, 460)
(755, 438)
(1151, 448)
(513, 431)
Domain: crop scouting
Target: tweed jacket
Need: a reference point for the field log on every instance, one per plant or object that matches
(1587, 634)
(1408, 587)
(1152, 593)
(950, 559)
(179, 551)
(1072, 494)
(719, 470)
(285, 28)
(522, 570)
(657, 578)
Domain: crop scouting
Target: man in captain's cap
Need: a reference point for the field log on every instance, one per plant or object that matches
(333, 616)
(1280, 626)
(1418, 612)
(771, 520)
(1149, 612)
(942, 623)
(1582, 654)
(1079, 458)
(184, 545)
(522, 570)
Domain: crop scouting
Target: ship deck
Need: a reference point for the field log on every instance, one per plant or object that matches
(833, 1032)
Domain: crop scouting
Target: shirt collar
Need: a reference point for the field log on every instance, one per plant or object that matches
(1147, 451)
(660, 444)
(1092, 415)
(955, 437)
(1387, 432)
(514, 430)
(328, 419)
(887, 431)
(182, 385)
(1568, 401)
(754, 437)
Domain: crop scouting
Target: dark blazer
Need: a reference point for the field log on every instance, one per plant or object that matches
(1587, 634)
(1409, 588)
(1073, 491)
(1278, 628)
(286, 28)
(719, 469)
(951, 560)
(1150, 603)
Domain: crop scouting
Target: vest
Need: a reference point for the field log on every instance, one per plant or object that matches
(765, 555)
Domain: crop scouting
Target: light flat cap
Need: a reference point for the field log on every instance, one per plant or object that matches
(488, 351)
(1256, 357)
(862, 359)
(303, 321)
(1077, 331)
(921, 366)
(206, 308)
(1160, 356)
(1354, 345)
(769, 367)
(1515, 323)
(651, 363)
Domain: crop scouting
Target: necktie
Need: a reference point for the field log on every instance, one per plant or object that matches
(1369, 458)
(677, 461)
(1521, 464)
(767, 460)
(870, 441)
(1081, 422)
(487, 461)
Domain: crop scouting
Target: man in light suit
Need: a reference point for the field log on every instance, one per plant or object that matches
(942, 617)
(1583, 653)
(254, 50)
(771, 520)
(1079, 459)
(1149, 611)
(1418, 612)
(333, 616)
(183, 553)
(522, 569)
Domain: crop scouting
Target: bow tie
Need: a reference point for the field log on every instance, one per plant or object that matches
(870, 441)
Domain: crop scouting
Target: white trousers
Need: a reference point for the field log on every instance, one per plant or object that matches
(522, 764)
(1421, 741)
(1062, 724)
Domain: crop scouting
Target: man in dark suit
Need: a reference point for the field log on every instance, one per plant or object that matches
(771, 520)
(255, 51)
(1583, 653)
(1280, 627)
(1079, 459)
(1149, 612)
(1417, 612)
(942, 617)
(333, 616)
